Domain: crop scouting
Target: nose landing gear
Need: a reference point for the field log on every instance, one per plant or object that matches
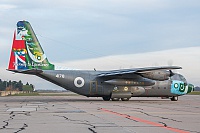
(174, 98)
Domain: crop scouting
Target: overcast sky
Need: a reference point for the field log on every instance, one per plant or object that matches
(122, 33)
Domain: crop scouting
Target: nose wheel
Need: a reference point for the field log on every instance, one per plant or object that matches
(174, 98)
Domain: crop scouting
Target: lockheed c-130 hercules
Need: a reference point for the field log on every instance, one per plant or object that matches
(27, 57)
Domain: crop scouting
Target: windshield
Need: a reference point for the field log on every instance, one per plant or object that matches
(179, 77)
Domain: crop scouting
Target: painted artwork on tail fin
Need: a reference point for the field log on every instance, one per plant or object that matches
(27, 52)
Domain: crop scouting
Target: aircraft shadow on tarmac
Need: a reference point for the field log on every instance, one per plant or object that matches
(73, 99)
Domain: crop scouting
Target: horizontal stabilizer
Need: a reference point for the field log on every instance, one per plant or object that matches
(31, 71)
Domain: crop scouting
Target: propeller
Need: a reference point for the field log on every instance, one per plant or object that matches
(170, 63)
(171, 73)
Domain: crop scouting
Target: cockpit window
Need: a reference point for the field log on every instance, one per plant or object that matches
(175, 77)
(179, 77)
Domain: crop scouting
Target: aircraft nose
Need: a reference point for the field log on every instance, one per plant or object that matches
(181, 88)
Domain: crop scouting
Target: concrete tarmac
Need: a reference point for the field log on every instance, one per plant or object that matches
(78, 114)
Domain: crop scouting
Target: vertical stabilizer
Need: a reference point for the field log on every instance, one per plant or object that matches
(27, 52)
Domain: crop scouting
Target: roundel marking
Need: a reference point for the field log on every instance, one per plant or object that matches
(79, 82)
(115, 88)
(125, 88)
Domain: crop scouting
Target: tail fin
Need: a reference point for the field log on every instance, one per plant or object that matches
(26, 51)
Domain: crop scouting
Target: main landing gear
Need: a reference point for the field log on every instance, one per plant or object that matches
(125, 99)
(107, 98)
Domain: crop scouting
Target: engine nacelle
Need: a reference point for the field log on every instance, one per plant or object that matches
(157, 75)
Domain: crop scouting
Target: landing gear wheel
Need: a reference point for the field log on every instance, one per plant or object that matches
(115, 99)
(174, 98)
(125, 99)
(106, 98)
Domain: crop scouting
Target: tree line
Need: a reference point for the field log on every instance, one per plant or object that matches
(12, 85)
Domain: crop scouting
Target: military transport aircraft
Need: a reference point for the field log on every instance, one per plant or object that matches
(27, 57)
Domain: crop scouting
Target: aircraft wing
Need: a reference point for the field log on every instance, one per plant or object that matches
(136, 71)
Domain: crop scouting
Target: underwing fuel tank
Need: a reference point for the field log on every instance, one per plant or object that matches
(130, 82)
